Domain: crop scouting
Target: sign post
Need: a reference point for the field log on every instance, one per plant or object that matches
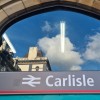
(49, 82)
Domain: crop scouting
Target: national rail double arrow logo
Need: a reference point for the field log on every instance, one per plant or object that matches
(31, 80)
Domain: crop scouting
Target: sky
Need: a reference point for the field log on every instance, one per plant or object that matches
(82, 37)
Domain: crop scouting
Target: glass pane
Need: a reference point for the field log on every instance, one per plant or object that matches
(58, 40)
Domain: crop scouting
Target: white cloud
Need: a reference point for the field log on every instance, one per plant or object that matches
(50, 27)
(93, 48)
(47, 27)
(69, 60)
(96, 29)
(75, 68)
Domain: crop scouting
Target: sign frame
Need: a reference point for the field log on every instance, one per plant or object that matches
(76, 82)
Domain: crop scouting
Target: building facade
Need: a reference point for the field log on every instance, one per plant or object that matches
(34, 61)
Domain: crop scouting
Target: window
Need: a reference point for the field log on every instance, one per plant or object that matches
(68, 40)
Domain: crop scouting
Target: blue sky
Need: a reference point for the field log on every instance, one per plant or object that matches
(43, 30)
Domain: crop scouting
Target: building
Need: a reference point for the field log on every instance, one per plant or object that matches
(6, 58)
(33, 61)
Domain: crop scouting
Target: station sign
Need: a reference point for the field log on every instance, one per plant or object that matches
(50, 82)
